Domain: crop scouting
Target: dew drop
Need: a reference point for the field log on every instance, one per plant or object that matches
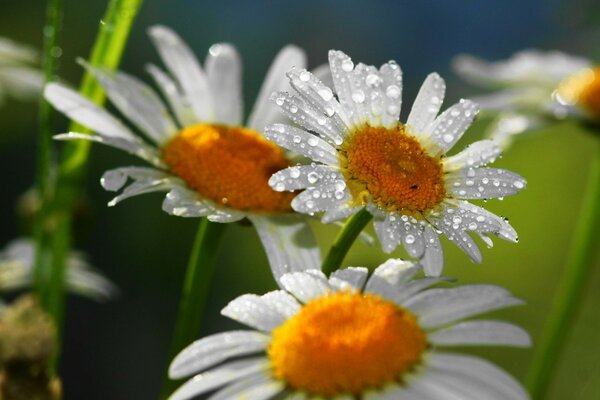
(347, 65)
(293, 109)
(480, 218)
(312, 177)
(372, 80)
(339, 194)
(393, 109)
(472, 226)
(313, 141)
(457, 219)
(358, 96)
(294, 173)
(297, 139)
(447, 138)
(518, 184)
(393, 92)
(304, 76)
(279, 187)
(279, 101)
(310, 204)
(455, 112)
(409, 239)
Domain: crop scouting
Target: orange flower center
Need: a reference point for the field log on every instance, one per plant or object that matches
(392, 169)
(229, 165)
(583, 89)
(346, 343)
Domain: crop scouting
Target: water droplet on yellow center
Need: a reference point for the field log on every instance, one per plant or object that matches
(392, 169)
(583, 89)
(346, 343)
(229, 165)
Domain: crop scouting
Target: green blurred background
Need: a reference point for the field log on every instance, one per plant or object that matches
(118, 350)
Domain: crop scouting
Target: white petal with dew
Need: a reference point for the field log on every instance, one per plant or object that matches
(474, 155)
(263, 113)
(260, 386)
(449, 127)
(175, 97)
(302, 142)
(491, 380)
(433, 257)
(218, 377)
(349, 278)
(496, 333)
(289, 243)
(483, 183)
(224, 70)
(305, 286)
(215, 349)
(436, 307)
(254, 311)
(183, 202)
(304, 176)
(184, 67)
(427, 104)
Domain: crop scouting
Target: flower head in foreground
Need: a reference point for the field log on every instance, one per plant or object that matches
(533, 87)
(16, 272)
(210, 165)
(349, 337)
(17, 76)
(399, 172)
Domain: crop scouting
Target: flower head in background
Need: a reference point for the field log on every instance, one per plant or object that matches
(210, 165)
(349, 337)
(18, 77)
(16, 272)
(399, 171)
(532, 88)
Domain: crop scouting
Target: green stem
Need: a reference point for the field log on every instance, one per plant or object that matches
(44, 183)
(57, 211)
(200, 269)
(344, 240)
(570, 293)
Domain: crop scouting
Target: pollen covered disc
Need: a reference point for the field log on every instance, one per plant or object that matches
(346, 342)
(391, 168)
(229, 165)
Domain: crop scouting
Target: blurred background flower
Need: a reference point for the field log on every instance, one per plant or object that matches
(124, 344)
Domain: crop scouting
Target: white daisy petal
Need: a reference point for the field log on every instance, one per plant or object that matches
(491, 380)
(474, 155)
(367, 100)
(323, 74)
(263, 113)
(224, 71)
(427, 104)
(433, 257)
(259, 386)
(339, 212)
(283, 302)
(170, 90)
(300, 141)
(477, 183)
(449, 127)
(319, 198)
(183, 202)
(395, 229)
(408, 289)
(82, 110)
(454, 386)
(90, 283)
(135, 147)
(481, 333)
(225, 216)
(218, 377)
(386, 278)
(341, 67)
(114, 179)
(436, 307)
(143, 186)
(321, 98)
(305, 286)
(254, 311)
(184, 67)
(306, 116)
(289, 243)
(215, 349)
(137, 101)
(304, 176)
(466, 216)
(392, 93)
(349, 278)
(457, 235)
(427, 386)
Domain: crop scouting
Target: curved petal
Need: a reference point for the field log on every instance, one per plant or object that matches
(254, 311)
(474, 155)
(263, 113)
(449, 127)
(306, 286)
(289, 243)
(171, 91)
(304, 176)
(260, 386)
(224, 71)
(427, 104)
(349, 278)
(477, 183)
(302, 142)
(481, 332)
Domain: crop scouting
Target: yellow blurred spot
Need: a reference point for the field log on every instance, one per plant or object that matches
(582, 89)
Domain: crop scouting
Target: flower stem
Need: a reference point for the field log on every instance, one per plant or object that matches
(200, 269)
(570, 293)
(53, 241)
(45, 161)
(344, 240)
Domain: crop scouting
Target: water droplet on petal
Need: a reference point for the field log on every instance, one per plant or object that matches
(448, 138)
(325, 93)
(347, 65)
(358, 96)
(296, 139)
(304, 76)
(313, 141)
(393, 92)
(409, 239)
(312, 177)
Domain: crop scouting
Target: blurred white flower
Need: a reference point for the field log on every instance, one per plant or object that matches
(18, 76)
(210, 162)
(351, 336)
(532, 88)
(16, 272)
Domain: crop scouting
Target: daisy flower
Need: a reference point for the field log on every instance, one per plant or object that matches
(533, 87)
(210, 165)
(349, 337)
(17, 77)
(365, 157)
(16, 272)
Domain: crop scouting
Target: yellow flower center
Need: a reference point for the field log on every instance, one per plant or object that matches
(229, 165)
(583, 89)
(346, 343)
(390, 167)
